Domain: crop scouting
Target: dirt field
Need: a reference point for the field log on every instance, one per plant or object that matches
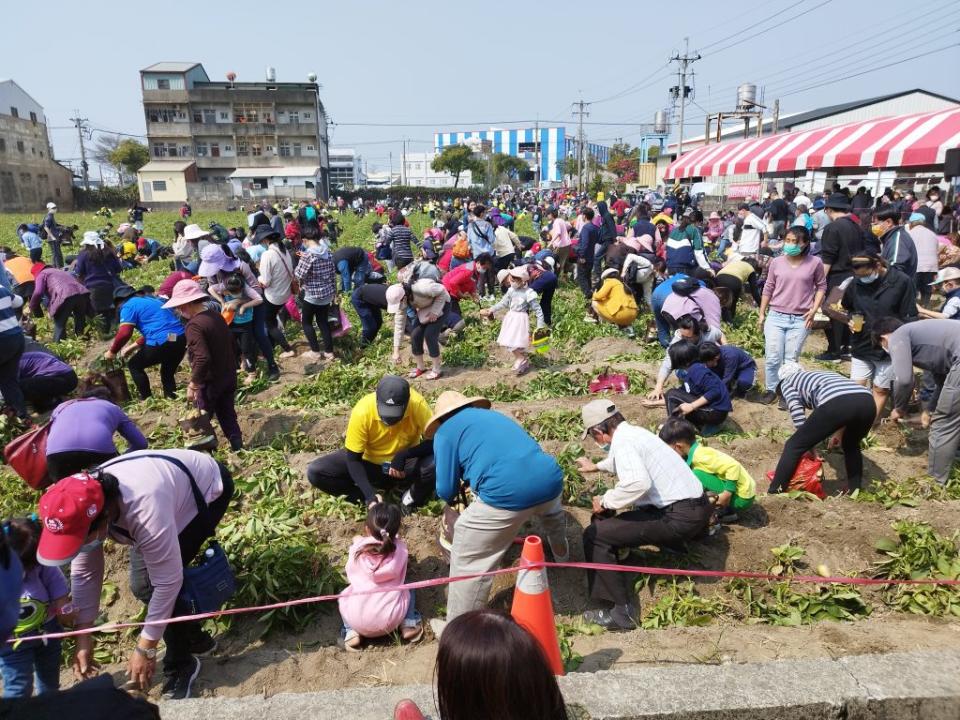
(839, 533)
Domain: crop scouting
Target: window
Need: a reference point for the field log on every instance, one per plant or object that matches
(294, 117)
(310, 147)
(165, 114)
(33, 117)
(215, 149)
(227, 148)
(183, 151)
(159, 150)
(57, 191)
(163, 84)
(33, 150)
(307, 116)
(296, 150)
(159, 185)
(3, 145)
(202, 149)
(284, 148)
(259, 183)
(219, 178)
(269, 149)
(41, 153)
(20, 146)
(256, 149)
(527, 147)
(243, 148)
(224, 115)
(14, 111)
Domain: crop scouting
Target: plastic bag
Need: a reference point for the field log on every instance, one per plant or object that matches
(808, 477)
(610, 382)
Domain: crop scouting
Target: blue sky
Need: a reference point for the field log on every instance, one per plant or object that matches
(456, 65)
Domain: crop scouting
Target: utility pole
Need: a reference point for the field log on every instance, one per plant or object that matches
(581, 144)
(536, 139)
(80, 124)
(403, 164)
(683, 62)
(390, 176)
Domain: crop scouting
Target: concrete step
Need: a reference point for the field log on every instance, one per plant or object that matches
(902, 686)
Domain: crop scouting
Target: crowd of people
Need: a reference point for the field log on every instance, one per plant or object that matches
(864, 272)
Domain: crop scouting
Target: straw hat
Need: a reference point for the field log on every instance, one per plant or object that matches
(449, 402)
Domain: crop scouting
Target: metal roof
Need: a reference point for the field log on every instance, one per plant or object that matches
(166, 166)
(287, 171)
(171, 67)
(811, 115)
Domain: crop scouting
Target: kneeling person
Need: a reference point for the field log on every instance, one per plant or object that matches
(383, 447)
(704, 399)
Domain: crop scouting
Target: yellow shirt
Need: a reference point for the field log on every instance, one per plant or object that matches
(739, 269)
(128, 250)
(367, 434)
(615, 303)
(734, 475)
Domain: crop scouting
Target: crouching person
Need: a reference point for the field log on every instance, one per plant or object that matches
(378, 560)
(719, 473)
(663, 501)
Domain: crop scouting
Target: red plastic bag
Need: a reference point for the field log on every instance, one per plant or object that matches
(808, 476)
(27, 455)
(343, 325)
(610, 382)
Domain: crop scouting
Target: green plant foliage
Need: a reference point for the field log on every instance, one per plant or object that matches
(780, 604)
(918, 552)
(682, 606)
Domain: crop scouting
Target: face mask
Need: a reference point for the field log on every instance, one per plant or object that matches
(682, 374)
(867, 279)
(877, 230)
(792, 250)
(604, 446)
(934, 198)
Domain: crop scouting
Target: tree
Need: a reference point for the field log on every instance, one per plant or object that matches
(455, 159)
(567, 166)
(130, 155)
(509, 166)
(623, 163)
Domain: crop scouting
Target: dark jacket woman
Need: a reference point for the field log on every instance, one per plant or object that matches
(891, 294)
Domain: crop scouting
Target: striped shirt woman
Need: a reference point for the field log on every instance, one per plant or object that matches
(401, 241)
(842, 411)
(11, 348)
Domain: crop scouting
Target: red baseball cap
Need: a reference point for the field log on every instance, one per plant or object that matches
(67, 510)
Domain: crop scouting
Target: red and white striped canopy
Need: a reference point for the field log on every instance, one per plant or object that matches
(902, 141)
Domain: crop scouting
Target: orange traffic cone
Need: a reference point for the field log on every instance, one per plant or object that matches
(532, 605)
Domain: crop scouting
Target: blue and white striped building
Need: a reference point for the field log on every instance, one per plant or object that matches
(522, 143)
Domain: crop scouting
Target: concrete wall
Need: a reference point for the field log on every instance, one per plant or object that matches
(29, 179)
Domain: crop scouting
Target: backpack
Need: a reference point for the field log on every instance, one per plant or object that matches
(461, 249)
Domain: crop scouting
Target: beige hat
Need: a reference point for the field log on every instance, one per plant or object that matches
(448, 402)
(395, 297)
(519, 272)
(595, 412)
(502, 275)
(948, 273)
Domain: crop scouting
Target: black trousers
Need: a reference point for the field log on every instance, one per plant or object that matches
(735, 286)
(245, 345)
(701, 417)
(75, 306)
(923, 280)
(168, 356)
(44, 392)
(11, 349)
(329, 474)
(320, 314)
(429, 333)
(583, 278)
(854, 413)
(838, 334)
(178, 636)
(667, 527)
(101, 306)
(274, 330)
(64, 464)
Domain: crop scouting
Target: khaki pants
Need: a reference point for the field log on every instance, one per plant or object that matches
(481, 536)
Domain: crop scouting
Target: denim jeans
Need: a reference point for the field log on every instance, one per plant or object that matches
(371, 317)
(411, 619)
(31, 657)
(664, 333)
(785, 335)
(349, 280)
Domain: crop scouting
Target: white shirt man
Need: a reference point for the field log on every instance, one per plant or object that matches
(663, 500)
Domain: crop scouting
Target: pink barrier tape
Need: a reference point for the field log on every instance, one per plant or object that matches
(433, 582)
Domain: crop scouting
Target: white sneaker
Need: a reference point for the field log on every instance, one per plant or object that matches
(288, 354)
(588, 318)
(310, 355)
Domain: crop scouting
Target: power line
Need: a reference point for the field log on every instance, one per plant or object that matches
(634, 88)
(741, 31)
(742, 40)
